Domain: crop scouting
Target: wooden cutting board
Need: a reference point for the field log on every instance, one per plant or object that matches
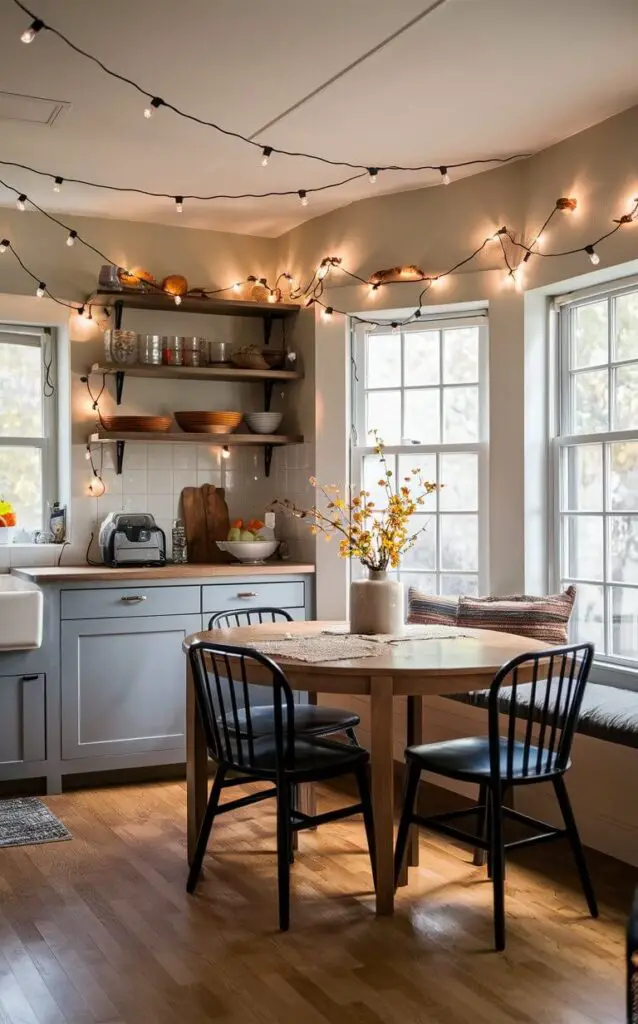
(205, 515)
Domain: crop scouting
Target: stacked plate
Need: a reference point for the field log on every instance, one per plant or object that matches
(133, 424)
(208, 422)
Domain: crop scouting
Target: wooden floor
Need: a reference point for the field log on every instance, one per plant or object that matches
(100, 929)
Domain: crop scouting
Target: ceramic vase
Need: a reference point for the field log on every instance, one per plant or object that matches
(376, 604)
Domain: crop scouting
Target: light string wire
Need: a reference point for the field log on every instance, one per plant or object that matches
(372, 170)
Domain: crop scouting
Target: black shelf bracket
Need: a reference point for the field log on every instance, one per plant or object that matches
(267, 328)
(119, 456)
(119, 385)
(268, 386)
(267, 458)
(118, 307)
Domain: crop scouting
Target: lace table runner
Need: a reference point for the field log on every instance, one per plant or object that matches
(338, 644)
(411, 632)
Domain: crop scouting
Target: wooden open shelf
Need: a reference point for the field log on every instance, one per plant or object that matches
(222, 373)
(229, 440)
(213, 306)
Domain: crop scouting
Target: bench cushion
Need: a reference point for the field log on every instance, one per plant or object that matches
(540, 618)
(607, 713)
(431, 610)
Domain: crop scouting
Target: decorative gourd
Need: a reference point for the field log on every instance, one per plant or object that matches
(175, 284)
(133, 278)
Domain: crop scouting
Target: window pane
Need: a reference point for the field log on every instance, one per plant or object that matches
(583, 480)
(623, 543)
(20, 391)
(426, 465)
(425, 581)
(21, 484)
(460, 415)
(624, 622)
(590, 344)
(459, 542)
(459, 477)
(458, 585)
(383, 361)
(583, 547)
(627, 326)
(461, 356)
(626, 397)
(623, 477)
(587, 621)
(590, 398)
(421, 364)
(383, 413)
(422, 416)
(373, 472)
(423, 554)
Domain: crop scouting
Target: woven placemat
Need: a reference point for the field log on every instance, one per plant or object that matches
(319, 648)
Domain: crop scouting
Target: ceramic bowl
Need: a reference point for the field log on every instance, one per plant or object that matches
(263, 422)
(251, 552)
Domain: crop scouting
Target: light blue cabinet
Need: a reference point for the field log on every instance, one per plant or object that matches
(22, 720)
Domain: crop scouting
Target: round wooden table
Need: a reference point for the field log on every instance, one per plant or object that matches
(465, 660)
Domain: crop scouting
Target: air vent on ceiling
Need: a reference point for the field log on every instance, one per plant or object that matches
(30, 109)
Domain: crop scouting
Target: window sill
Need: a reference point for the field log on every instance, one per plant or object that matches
(618, 676)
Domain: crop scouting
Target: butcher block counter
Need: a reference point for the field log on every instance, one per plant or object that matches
(103, 574)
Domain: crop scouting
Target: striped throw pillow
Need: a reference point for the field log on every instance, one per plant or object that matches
(430, 610)
(540, 618)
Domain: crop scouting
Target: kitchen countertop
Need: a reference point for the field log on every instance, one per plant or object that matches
(102, 574)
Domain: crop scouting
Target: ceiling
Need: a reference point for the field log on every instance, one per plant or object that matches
(471, 78)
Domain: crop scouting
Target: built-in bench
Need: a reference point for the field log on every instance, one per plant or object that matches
(607, 713)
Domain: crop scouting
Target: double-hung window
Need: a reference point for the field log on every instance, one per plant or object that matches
(27, 423)
(423, 389)
(597, 468)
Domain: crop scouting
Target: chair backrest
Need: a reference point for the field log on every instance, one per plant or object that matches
(545, 688)
(221, 677)
(248, 617)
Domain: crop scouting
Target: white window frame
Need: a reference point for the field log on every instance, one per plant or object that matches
(477, 318)
(614, 669)
(44, 339)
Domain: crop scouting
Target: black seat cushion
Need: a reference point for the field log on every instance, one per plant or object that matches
(469, 759)
(312, 758)
(607, 713)
(310, 720)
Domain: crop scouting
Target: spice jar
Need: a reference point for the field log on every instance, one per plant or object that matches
(120, 346)
(194, 349)
(173, 351)
(150, 349)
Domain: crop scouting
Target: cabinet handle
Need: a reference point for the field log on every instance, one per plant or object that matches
(247, 593)
(132, 599)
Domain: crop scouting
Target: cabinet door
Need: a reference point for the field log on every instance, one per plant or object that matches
(22, 719)
(123, 685)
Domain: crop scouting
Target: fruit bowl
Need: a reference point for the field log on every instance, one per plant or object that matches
(251, 552)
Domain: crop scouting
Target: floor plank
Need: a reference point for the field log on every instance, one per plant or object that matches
(100, 930)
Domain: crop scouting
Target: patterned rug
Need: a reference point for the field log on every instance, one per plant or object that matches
(25, 821)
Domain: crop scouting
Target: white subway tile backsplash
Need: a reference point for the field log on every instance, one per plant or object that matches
(135, 502)
(134, 481)
(209, 476)
(184, 457)
(162, 506)
(210, 457)
(160, 456)
(112, 481)
(160, 481)
(184, 478)
(135, 455)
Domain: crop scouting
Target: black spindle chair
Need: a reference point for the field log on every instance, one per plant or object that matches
(632, 963)
(310, 719)
(221, 678)
(547, 688)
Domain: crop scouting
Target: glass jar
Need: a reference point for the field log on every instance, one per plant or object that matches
(120, 347)
(150, 349)
(173, 351)
(194, 349)
(178, 538)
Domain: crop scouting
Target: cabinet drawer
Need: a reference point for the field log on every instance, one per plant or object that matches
(127, 602)
(222, 597)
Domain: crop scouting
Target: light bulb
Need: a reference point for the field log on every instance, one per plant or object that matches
(4, 245)
(225, 452)
(152, 107)
(566, 204)
(374, 288)
(57, 184)
(327, 312)
(437, 282)
(31, 32)
(303, 196)
(71, 239)
(323, 270)
(445, 177)
(179, 204)
(87, 454)
(21, 201)
(309, 301)
(237, 286)
(178, 300)
(265, 155)
(593, 255)
(395, 327)
(497, 234)
(80, 311)
(272, 296)
(373, 174)
(97, 487)
(40, 290)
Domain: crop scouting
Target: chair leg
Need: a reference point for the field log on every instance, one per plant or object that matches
(363, 783)
(352, 736)
(481, 830)
(283, 853)
(411, 785)
(204, 832)
(498, 866)
(294, 835)
(575, 843)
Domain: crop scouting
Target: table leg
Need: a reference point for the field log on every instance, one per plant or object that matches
(382, 767)
(196, 766)
(307, 793)
(414, 737)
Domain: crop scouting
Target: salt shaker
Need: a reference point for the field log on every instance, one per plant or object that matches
(178, 537)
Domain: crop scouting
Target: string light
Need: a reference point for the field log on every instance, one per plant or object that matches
(303, 196)
(437, 282)
(373, 174)
(177, 300)
(374, 288)
(179, 204)
(87, 454)
(21, 202)
(327, 312)
(97, 487)
(31, 32)
(41, 290)
(566, 204)
(395, 327)
(593, 255)
(225, 452)
(4, 245)
(155, 103)
(265, 155)
(237, 286)
(323, 270)
(57, 184)
(71, 239)
(496, 237)
(309, 301)
(272, 296)
(445, 177)
(81, 311)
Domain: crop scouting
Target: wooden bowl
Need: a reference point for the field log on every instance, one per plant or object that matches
(208, 422)
(132, 424)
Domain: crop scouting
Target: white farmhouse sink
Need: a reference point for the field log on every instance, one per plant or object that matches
(20, 614)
